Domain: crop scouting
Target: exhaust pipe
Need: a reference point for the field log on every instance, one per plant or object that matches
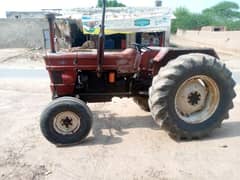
(101, 39)
(51, 19)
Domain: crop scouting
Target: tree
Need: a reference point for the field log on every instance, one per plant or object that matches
(100, 3)
(225, 13)
(224, 10)
(110, 3)
(181, 15)
(187, 20)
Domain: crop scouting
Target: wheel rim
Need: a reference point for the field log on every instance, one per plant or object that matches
(197, 99)
(66, 123)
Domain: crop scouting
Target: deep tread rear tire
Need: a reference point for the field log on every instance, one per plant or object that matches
(169, 79)
(142, 102)
(65, 104)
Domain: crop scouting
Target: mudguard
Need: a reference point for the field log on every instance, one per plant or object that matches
(167, 54)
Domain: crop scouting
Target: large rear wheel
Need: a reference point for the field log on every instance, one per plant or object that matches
(192, 95)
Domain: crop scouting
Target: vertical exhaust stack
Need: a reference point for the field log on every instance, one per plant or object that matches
(101, 39)
(51, 19)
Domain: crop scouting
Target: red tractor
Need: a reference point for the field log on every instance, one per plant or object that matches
(189, 92)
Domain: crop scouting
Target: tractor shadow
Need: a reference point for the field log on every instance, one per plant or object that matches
(228, 130)
(108, 128)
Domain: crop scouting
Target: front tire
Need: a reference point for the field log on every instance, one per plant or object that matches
(65, 121)
(192, 95)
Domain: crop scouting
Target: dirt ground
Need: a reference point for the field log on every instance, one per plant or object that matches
(124, 142)
(21, 58)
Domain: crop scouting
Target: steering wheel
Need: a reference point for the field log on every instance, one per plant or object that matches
(139, 47)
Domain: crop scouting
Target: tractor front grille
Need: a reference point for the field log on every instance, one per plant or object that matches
(57, 77)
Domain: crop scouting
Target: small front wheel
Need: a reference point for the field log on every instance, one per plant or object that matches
(66, 120)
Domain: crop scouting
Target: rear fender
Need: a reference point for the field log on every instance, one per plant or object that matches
(167, 54)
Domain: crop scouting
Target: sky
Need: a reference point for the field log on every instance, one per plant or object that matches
(30, 5)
